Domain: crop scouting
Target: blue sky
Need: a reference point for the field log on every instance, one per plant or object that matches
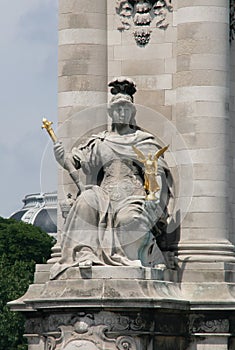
(28, 59)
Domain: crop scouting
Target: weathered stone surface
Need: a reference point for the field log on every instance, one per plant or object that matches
(83, 53)
(82, 20)
(201, 77)
(81, 83)
(89, 6)
(197, 46)
(154, 51)
(185, 3)
(75, 67)
(82, 36)
(98, 292)
(196, 32)
(71, 98)
(194, 14)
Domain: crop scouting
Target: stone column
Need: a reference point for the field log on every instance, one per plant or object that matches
(202, 117)
(82, 62)
(82, 73)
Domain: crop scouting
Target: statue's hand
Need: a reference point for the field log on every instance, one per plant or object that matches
(59, 153)
(68, 164)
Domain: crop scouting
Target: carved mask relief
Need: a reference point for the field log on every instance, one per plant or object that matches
(142, 15)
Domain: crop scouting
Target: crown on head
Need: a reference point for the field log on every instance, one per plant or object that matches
(124, 86)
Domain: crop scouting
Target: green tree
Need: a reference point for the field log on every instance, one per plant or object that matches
(21, 246)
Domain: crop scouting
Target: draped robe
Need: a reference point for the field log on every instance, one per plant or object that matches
(110, 223)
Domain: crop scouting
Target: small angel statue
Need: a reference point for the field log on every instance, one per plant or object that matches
(150, 171)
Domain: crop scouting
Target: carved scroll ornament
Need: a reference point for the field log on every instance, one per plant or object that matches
(88, 333)
(140, 15)
(199, 324)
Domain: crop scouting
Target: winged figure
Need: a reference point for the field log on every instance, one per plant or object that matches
(150, 170)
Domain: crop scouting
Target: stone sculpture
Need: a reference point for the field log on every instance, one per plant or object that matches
(110, 222)
(140, 14)
(93, 332)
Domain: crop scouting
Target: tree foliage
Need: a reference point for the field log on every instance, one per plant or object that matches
(21, 246)
(23, 242)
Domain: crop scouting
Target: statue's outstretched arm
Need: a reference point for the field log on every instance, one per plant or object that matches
(67, 162)
(59, 153)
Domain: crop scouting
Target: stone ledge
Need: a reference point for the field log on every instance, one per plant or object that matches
(110, 293)
(42, 273)
(123, 294)
(120, 273)
(209, 295)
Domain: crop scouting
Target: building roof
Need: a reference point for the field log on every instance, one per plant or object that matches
(40, 209)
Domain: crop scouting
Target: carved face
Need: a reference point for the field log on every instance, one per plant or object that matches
(122, 113)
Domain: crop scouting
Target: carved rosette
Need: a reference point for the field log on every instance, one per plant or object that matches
(125, 343)
(141, 14)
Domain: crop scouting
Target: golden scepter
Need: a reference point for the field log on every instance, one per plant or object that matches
(47, 125)
(67, 163)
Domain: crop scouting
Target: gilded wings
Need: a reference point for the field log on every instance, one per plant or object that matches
(141, 157)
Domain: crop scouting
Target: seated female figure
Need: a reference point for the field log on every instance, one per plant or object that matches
(111, 223)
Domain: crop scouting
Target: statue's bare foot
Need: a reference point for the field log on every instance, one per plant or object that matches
(85, 264)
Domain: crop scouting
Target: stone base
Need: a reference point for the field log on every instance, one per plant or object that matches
(126, 308)
(205, 272)
(107, 330)
(101, 286)
(104, 308)
(42, 273)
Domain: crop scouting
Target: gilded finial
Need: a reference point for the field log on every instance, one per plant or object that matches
(47, 125)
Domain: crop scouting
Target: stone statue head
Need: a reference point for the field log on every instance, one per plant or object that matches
(123, 89)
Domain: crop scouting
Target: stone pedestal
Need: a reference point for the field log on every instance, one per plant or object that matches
(124, 308)
(104, 308)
